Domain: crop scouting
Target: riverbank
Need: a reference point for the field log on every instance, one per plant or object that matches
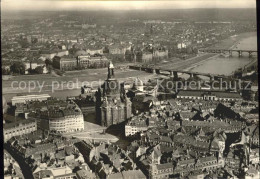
(200, 63)
(63, 86)
(232, 41)
(183, 64)
(227, 65)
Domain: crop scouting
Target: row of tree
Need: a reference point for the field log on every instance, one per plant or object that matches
(18, 68)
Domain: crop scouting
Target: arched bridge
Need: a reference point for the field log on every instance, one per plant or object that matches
(174, 73)
(230, 51)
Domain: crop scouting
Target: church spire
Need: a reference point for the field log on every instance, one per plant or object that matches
(110, 71)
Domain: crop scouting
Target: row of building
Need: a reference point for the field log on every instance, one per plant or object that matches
(67, 63)
(50, 156)
(42, 111)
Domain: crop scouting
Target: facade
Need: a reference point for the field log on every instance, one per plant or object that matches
(68, 123)
(62, 120)
(81, 62)
(209, 95)
(24, 99)
(181, 45)
(93, 51)
(88, 61)
(18, 129)
(149, 54)
(55, 115)
(158, 171)
(112, 106)
(65, 63)
(119, 49)
(134, 126)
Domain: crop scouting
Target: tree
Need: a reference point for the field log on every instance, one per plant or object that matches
(39, 70)
(18, 68)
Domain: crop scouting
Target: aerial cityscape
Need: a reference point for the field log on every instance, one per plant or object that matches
(130, 90)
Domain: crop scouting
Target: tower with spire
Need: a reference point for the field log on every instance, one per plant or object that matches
(112, 106)
(110, 71)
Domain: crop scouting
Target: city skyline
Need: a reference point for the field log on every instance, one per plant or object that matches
(80, 5)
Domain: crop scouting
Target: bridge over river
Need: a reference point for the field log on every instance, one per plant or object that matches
(230, 51)
(174, 73)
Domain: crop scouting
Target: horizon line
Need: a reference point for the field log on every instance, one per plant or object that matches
(206, 8)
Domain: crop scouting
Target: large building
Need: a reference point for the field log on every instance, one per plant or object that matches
(87, 61)
(68, 63)
(53, 114)
(150, 54)
(65, 63)
(62, 121)
(19, 128)
(209, 95)
(24, 99)
(112, 106)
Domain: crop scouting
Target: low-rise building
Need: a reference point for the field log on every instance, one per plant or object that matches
(64, 172)
(135, 126)
(24, 99)
(19, 128)
(161, 170)
(209, 95)
(94, 50)
(85, 174)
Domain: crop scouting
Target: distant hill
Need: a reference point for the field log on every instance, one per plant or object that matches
(166, 15)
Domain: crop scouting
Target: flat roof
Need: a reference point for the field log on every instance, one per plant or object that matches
(17, 123)
(200, 93)
(30, 96)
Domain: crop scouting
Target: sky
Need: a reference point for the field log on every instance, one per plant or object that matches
(53, 5)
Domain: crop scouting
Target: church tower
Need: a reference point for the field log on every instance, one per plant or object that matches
(110, 74)
(112, 105)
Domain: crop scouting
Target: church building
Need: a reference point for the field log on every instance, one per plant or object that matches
(112, 104)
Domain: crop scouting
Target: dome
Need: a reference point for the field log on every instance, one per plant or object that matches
(80, 52)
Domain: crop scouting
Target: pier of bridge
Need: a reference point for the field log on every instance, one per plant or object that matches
(174, 74)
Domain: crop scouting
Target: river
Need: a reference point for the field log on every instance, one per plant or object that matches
(214, 65)
(226, 65)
